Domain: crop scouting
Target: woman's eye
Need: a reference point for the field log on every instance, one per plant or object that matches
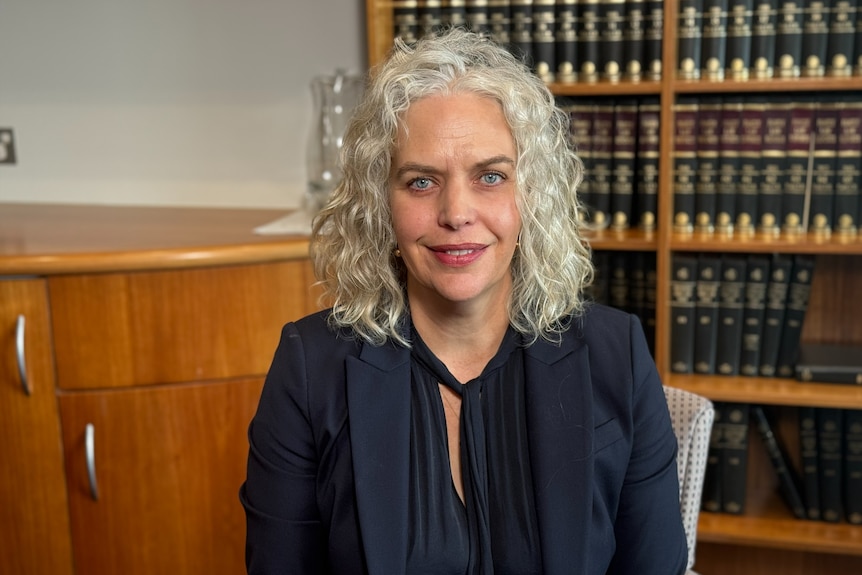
(491, 178)
(420, 183)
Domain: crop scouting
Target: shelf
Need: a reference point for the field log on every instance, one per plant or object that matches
(768, 390)
(763, 243)
(605, 88)
(766, 85)
(623, 240)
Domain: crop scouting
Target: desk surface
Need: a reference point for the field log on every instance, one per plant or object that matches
(37, 239)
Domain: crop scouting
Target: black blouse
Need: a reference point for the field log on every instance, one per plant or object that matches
(495, 531)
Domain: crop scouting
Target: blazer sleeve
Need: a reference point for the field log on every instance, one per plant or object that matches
(284, 533)
(648, 528)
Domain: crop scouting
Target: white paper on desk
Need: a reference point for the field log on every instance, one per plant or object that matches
(294, 223)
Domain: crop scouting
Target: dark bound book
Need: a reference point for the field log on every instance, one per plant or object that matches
(830, 363)
(619, 282)
(763, 39)
(728, 164)
(857, 44)
(706, 312)
(788, 39)
(797, 304)
(789, 482)
(809, 455)
(842, 35)
(588, 40)
(754, 311)
(653, 34)
(430, 17)
(581, 117)
(602, 162)
(731, 301)
(477, 16)
(405, 20)
(830, 452)
(637, 262)
(612, 22)
(711, 496)
(739, 39)
(773, 320)
(714, 40)
(689, 35)
(822, 198)
(684, 162)
(500, 22)
(708, 149)
(750, 162)
(853, 466)
(598, 291)
(544, 46)
(455, 13)
(773, 168)
(566, 41)
(734, 457)
(521, 33)
(634, 35)
(650, 301)
(682, 307)
(647, 160)
(848, 165)
(815, 36)
(800, 147)
(624, 153)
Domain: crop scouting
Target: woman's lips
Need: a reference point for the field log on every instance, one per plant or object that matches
(458, 255)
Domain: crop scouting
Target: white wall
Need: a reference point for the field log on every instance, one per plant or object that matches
(166, 102)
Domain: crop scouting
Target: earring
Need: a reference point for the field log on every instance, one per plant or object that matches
(397, 253)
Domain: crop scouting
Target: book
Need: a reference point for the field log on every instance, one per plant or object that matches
(750, 162)
(602, 159)
(521, 31)
(848, 169)
(612, 20)
(598, 290)
(714, 39)
(689, 36)
(776, 117)
(822, 194)
(788, 39)
(798, 293)
(430, 17)
(636, 295)
(405, 20)
(682, 307)
(763, 23)
(808, 451)
(815, 36)
(841, 37)
(734, 457)
(566, 41)
(829, 363)
(789, 482)
(455, 13)
(731, 301)
(625, 125)
(711, 496)
(619, 280)
(544, 46)
(753, 313)
(777, 286)
(830, 459)
(728, 164)
(853, 466)
(684, 162)
(653, 34)
(634, 34)
(588, 40)
(708, 146)
(581, 117)
(476, 12)
(800, 148)
(647, 161)
(706, 312)
(739, 39)
(650, 300)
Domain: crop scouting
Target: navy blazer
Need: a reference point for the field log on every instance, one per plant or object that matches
(326, 490)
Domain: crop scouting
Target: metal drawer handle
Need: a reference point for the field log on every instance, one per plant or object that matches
(19, 349)
(90, 452)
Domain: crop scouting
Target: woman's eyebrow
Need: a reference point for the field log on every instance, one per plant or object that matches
(426, 169)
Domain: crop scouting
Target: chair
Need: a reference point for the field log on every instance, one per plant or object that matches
(691, 417)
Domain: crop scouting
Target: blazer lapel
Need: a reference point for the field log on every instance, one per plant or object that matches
(560, 422)
(378, 397)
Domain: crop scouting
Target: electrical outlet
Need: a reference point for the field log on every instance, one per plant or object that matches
(7, 146)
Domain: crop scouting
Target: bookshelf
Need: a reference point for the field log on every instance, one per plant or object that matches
(767, 538)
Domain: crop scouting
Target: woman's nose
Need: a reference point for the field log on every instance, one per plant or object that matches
(456, 205)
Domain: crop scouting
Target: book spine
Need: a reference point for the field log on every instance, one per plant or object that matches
(581, 117)
(544, 47)
(853, 466)
(689, 39)
(756, 280)
(799, 150)
(830, 450)
(648, 153)
(706, 313)
(612, 22)
(776, 116)
(728, 164)
(798, 293)
(650, 301)
(477, 16)
(711, 496)
(683, 284)
(823, 169)
(708, 148)
(602, 162)
(842, 35)
(734, 457)
(740, 14)
(750, 156)
(773, 320)
(522, 30)
(430, 17)
(599, 290)
(815, 36)
(763, 39)
(788, 479)
(714, 39)
(848, 168)
(809, 455)
(731, 298)
(788, 39)
(637, 285)
(653, 34)
(405, 20)
(588, 40)
(857, 43)
(634, 34)
(684, 163)
(623, 176)
(566, 41)
(619, 281)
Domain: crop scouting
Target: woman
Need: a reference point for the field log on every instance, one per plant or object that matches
(460, 409)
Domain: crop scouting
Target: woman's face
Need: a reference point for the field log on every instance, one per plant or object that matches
(452, 197)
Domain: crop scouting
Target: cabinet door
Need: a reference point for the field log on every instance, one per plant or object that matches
(168, 463)
(34, 521)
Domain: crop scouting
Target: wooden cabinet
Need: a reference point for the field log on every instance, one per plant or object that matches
(767, 539)
(131, 461)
